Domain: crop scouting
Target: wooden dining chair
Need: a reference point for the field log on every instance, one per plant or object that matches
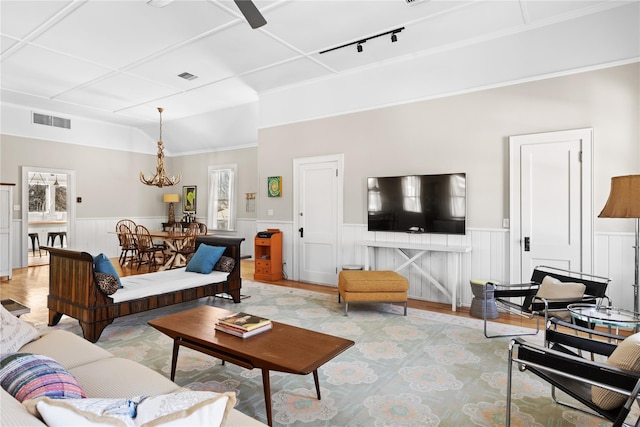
(147, 250)
(127, 244)
(187, 246)
(131, 225)
(200, 227)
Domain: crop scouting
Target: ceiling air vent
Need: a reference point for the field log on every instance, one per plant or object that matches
(44, 119)
(412, 2)
(187, 76)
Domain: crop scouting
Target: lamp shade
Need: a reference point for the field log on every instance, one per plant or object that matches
(171, 198)
(624, 198)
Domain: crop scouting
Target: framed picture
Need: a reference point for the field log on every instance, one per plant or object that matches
(189, 193)
(274, 186)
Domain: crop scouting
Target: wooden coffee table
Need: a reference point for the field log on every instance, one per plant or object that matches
(284, 348)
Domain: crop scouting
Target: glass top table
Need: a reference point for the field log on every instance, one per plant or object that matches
(603, 315)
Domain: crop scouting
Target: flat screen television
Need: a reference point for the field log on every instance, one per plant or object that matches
(418, 203)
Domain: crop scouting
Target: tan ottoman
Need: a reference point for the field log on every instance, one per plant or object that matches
(372, 286)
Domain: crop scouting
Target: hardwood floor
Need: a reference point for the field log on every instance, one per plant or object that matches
(29, 286)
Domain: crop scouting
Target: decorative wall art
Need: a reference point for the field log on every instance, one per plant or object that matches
(274, 184)
(189, 199)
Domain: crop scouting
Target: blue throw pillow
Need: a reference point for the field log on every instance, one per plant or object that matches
(205, 259)
(102, 264)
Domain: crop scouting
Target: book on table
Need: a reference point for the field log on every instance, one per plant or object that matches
(242, 333)
(244, 321)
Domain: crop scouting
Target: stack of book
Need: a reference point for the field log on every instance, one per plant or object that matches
(243, 324)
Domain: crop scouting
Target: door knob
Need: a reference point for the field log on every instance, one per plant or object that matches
(301, 230)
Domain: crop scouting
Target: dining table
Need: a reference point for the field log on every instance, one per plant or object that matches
(173, 241)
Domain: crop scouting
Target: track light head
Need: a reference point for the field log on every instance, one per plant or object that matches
(394, 38)
(359, 47)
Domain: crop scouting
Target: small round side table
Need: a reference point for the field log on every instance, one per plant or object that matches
(481, 302)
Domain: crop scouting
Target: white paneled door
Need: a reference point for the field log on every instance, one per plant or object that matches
(318, 218)
(551, 201)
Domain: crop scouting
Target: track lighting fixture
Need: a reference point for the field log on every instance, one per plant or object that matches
(358, 43)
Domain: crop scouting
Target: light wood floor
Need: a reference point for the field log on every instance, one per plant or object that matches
(29, 286)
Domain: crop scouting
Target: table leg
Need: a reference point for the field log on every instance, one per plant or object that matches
(315, 378)
(174, 359)
(267, 394)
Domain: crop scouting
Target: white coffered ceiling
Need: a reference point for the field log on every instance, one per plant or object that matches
(116, 61)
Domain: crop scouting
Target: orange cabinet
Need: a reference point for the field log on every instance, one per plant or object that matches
(268, 254)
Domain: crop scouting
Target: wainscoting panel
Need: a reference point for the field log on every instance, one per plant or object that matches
(615, 258)
(488, 259)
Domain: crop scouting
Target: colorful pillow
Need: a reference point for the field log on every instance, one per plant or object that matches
(188, 408)
(27, 376)
(102, 264)
(625, 356)
(205, 259)
(108, 283)
(225, 264)
(14, 333)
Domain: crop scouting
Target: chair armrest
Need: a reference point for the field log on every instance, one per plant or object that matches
(554, 322)
(550, 361)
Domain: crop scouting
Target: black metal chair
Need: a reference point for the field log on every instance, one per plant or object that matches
(522, 299)
(561, 364)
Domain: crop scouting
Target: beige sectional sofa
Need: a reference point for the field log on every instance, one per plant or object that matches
(99, 373)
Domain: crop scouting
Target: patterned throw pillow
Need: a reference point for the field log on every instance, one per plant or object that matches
(27, 376)
(102, 264)
(107, 283)
(225, 264)
(14, 333)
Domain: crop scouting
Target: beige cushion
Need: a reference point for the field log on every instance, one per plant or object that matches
(626, 356)
(14, 414)
(552, 288)
(121, 378)
(14, 333)
(66, 348)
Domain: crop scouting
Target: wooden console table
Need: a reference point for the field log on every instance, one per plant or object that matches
(402, 248)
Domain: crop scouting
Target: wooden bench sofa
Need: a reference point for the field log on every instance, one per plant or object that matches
(73, 291)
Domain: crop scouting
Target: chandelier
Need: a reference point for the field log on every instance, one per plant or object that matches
(160, 178)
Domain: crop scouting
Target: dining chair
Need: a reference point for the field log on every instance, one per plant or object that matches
(200, 227)
(187, 246)
(147, 250)
(132, 227)
(127, 243)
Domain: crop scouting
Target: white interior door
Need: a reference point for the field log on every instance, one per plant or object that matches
(318, 218)
(551, 209)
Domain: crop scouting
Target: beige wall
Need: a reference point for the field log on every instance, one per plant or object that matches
(107, 180)
(465, 133)
(194, 172)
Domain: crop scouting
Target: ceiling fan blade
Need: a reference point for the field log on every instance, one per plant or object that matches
(251, 13)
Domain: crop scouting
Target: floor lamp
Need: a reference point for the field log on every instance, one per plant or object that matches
(624, 202)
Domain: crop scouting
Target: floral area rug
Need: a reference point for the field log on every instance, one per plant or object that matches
(425, 369)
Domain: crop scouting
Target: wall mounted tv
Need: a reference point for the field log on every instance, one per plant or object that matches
(418, 203)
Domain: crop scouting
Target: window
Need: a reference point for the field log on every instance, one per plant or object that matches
(46, 195)
(221, 212)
